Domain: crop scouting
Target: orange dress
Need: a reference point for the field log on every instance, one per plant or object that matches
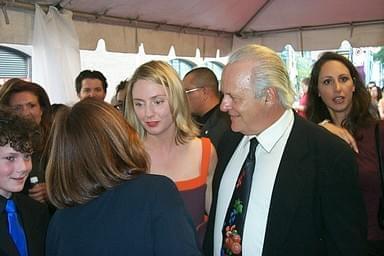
(193, 191)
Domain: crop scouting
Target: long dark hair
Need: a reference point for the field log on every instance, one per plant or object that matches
(317, 111)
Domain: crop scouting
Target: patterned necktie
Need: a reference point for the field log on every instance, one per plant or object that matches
(15, 229)
(234, 219)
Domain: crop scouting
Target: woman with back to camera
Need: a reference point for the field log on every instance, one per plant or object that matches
(30, 100)
(339, 101)
(158, 109)
(106, 203)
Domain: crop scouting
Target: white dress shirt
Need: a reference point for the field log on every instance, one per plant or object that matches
(268, 153)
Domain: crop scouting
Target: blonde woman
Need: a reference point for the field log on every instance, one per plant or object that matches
(158, 108)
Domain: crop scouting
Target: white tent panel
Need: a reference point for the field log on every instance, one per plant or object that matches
(372, 35)
(117, 38)
(320, 39)
(19, 30)
(275, 41)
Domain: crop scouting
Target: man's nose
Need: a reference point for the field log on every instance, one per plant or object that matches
(225, 104)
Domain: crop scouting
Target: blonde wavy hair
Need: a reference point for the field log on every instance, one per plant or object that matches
(162, 73)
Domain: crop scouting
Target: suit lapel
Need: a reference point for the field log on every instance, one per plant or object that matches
(287, 189)
(8, 248)
(225, 151)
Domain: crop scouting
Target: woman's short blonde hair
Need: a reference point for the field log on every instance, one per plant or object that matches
(162, 73)
(92, 148)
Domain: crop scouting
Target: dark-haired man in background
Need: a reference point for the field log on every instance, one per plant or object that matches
(91, 84)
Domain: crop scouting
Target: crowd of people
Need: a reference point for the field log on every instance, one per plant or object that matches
(190, 167)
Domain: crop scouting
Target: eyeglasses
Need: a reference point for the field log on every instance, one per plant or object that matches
(193, 90)
(119, 106)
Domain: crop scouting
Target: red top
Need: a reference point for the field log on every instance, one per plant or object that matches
(369, 177)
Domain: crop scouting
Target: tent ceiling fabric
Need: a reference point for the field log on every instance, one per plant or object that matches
(220, 15)
(209, 25)
(283, 14)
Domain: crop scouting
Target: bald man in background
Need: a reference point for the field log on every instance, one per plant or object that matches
(202, 89)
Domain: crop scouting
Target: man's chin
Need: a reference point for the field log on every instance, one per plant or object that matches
(234, 128)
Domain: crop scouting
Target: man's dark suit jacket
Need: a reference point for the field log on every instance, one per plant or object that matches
(34, 217)
(316, 206)
(216, 125)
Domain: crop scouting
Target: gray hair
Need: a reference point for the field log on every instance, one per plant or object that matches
(268, 71)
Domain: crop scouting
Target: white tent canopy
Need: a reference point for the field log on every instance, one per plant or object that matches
(208, 25)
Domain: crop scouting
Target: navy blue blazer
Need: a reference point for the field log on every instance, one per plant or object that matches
(316, 206)
(142, 216)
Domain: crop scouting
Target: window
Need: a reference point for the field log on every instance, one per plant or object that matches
(14, 63)
(182, 66)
